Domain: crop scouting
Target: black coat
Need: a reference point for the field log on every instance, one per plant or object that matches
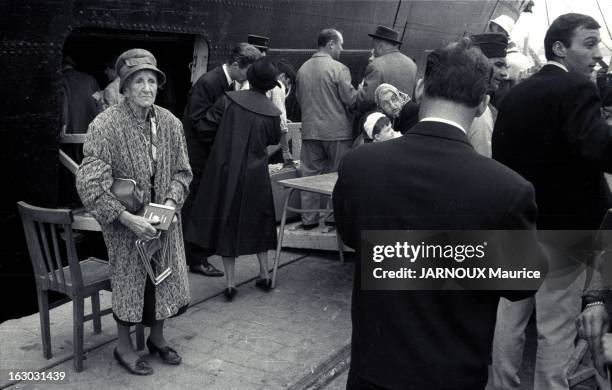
(549, 129)
(430, 178)
(233, 210)
(204, 93)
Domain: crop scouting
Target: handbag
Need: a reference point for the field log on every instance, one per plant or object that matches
(127, 191)
(129, 194)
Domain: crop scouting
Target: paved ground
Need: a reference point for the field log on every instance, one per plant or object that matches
(258, 341)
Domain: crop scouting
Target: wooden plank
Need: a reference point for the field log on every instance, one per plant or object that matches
(320, 184)
(316, 238)
(69, 163)
(72, 138)
(84, 221)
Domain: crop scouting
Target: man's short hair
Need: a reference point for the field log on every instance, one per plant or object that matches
(458, 72)
(327, 35)
(244, 54)
(562, 30)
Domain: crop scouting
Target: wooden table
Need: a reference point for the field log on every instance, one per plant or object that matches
(320, 184)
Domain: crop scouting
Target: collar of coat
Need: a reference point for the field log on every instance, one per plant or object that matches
(254, 102)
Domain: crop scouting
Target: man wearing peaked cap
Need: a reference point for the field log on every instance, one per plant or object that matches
(493, 46)
(388, 66)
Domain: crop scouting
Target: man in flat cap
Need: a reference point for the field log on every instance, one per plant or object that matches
(388, 66)
(493, 46)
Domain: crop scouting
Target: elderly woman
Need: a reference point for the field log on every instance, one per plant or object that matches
(138, 140)
(397, 106)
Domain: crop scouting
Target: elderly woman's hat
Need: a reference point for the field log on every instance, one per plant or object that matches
(492, 45)
(386, 34)
(134, 60)
(263, 73)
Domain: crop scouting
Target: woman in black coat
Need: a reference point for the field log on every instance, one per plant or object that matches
(233, 213)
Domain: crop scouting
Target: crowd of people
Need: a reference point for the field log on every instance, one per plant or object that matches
(434, 153)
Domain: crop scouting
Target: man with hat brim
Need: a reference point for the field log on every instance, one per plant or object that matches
(204, 93)
(234, 212)
(277, 95)
(493, 46)
(388, 66)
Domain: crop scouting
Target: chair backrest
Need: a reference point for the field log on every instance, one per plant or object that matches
(50, 241)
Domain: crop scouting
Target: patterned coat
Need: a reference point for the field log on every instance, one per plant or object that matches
(114, 140)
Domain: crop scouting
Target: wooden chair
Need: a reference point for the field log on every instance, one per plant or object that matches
(52, 249)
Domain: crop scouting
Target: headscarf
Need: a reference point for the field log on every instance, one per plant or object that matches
(382, 89)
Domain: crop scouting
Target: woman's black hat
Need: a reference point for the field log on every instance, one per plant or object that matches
(263, 73)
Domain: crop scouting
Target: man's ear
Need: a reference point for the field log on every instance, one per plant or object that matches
(559, 49)
(418, 90)
(482, 106)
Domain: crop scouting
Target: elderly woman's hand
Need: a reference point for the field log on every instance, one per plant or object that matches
(141, 226)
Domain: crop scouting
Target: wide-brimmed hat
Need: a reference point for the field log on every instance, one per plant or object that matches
(259, 41)
(386, 34)
(133, 60)
(492, 45)
(505, 22)
(263, 73)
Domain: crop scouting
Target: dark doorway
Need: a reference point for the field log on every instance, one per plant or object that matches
(92, 48)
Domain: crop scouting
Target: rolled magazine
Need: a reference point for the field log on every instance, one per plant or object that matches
(155, 257)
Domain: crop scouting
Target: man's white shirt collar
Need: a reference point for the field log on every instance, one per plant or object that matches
(555, 63)
(435, 119)
(227, 76)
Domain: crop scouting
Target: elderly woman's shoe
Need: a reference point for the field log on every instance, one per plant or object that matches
(168, 355)
(139, 367)
(264, 284)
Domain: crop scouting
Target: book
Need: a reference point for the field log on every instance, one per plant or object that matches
(159, 215)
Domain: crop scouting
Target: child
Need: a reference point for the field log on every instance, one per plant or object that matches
(378, 128)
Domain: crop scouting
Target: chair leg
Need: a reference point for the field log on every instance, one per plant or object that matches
(140, 338)
(45, 328)
(95, 308)
(77, 331)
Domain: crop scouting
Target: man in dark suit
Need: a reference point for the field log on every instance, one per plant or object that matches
(550, 130)
(209, 87)
(431, 178)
